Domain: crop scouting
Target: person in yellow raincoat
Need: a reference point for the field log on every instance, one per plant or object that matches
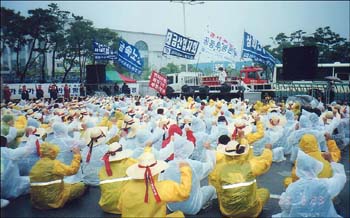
(145, 196)
(113, 176)
(47, 188)
(308, 144)
(333, 149)
(235, 182)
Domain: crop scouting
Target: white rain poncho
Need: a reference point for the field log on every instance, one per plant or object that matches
(315, 121)
(12, 184)
(311, 196)
(199, 195)
(33, 122)
(198, 128)
(305, 127)
(287, 130)
(278, 154)
(90, 170)
(26, 163)
(143, 137)
(66, 143)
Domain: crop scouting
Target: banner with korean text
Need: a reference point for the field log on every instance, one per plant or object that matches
(16, 89)
(254, 50)
(130, 57)
(180, 46)
(219, 46)
(158, 82)
(104, 52)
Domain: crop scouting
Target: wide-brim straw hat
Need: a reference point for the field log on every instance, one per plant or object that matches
(275, 117)
(230, 149)
(95, 132)
(128, 122)
(120, 154)
(328, 116)
(248, 128)
(137, 171)
(39, 132)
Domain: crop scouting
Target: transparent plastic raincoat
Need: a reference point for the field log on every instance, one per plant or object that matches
(12, 184)
(199, 195)
(308, 144)
(310, 196)
(47, 188)
(26, 163)
(65, 144)
(305, 127)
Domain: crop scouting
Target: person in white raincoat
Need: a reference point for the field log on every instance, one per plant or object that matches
(311, 196)
(12, 184)
(66, 143)
(199, 196)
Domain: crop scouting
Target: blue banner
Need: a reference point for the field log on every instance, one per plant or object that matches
(254, 50)
(180, 46)
(130, 58)
(104, 52)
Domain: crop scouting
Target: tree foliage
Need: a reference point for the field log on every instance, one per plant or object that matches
(331, 46)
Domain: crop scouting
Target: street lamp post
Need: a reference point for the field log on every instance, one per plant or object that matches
(191, 2)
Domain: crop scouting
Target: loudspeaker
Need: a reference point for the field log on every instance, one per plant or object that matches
(95, 74)
(300, 63)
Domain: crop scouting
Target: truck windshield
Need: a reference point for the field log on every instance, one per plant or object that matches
(170, 79)
(262, 74)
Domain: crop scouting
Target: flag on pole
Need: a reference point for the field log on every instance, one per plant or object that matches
(130, 57)
(219, 46)
(104, 52)
(180, 46)
(254, 50)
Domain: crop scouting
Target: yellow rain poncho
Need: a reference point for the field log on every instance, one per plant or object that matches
(120, 118)
(131, 202)
(110, 191)
(46, 179)
(308, 144)
(236, 186)
(334, 150)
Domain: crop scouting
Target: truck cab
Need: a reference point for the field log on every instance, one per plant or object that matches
(253, 75)
(177, 80)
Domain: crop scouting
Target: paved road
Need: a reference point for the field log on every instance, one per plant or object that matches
(87, 206)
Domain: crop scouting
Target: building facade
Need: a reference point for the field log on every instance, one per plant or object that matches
(150, 46)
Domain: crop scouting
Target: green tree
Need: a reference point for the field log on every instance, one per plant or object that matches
(80, 39)
(42, 24)
(13, 33)
(57, 37)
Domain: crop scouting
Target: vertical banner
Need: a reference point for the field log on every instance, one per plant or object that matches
(180, 46)
(130, 58)
(219, 46)
(158, 82)
(254, 50)
(104, 52)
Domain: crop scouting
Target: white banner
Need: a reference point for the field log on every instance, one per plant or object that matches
(219, 46)
(16, 89)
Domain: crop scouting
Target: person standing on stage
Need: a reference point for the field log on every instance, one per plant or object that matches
(24, 93)
(66, 91)
(7, 94)
(39, 92)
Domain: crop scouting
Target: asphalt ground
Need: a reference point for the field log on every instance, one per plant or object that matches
(87, 205)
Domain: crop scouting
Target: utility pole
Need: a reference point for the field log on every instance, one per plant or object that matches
(191, 2)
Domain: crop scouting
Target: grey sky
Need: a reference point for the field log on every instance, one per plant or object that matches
(228, 19)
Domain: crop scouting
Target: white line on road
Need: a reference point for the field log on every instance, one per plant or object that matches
(275, 196)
